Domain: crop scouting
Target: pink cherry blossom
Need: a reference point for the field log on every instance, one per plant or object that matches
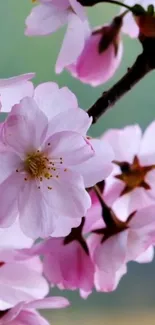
(53, 100)
(12, 90)
(67, 264)
(116, 244)
(25, 313)
(129, 24)
(20, 278)
(48, 16)
(37, 169)
(70, 161)
(131, 185)
(96, 64)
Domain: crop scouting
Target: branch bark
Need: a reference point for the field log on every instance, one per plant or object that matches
(144, 63)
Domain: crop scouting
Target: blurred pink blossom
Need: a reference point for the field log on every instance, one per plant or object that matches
(48, 16)
(12, 90)
(20, 278)
(131, 184)
(24, 313)
(67, 263)
(115, 244)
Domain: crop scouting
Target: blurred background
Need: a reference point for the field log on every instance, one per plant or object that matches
(134, 300)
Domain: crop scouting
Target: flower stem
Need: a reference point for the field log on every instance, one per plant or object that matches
(88, 3)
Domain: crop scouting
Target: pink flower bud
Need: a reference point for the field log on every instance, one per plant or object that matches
(101, 55)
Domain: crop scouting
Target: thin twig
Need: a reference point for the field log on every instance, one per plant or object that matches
(89, 3)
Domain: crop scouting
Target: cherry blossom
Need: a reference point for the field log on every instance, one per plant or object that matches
(37, 168)
(114, 243)
(100, 56)
(26, 145)
(24, 313)
(49, 163)
(48, 16)
(131, 184)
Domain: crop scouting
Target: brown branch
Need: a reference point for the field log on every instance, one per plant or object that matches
(143, 65)
(88, 3)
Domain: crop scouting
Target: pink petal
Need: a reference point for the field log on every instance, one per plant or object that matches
(62, 229)
(20, 283)
(58, 3)
(111, 254)
(138, 242)
(112, 191)
(70, 120)
(99, 166)
(147, 152)
(13, 237)
(78, 9)
(147, 256)
(20, 127)
(71, 146)
(137, 199)
(123, 138)
(93, 219)
(77, 273)
(52, 100)
(45, 19)
(68, 197)
(12, 90)
(107, 282)
(144, 219)
(11, 314)
(9, 191)
(9, 162)
(29, 317)
(49, 303)
(36, 217)
(74, 40)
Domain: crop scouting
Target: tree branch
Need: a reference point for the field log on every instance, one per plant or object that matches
(88, 3)
(144, 63)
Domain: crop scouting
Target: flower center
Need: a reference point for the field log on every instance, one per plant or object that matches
(36, 165)
(133, 175)
(39, 166)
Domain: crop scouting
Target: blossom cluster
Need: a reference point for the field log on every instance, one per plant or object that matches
(90, 202)
(90, 55)
(74, 209)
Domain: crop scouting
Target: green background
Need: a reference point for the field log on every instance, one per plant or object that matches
(20, 54)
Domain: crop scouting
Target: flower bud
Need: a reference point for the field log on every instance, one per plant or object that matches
(100, 56)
